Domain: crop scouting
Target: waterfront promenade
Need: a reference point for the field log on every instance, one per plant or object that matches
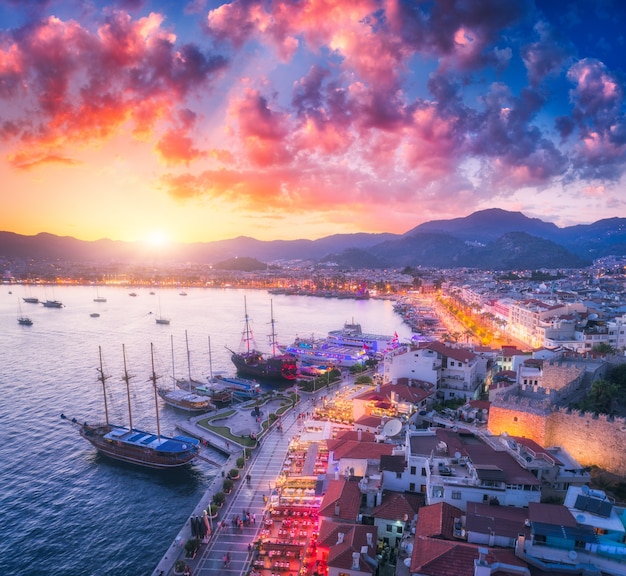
(264, 467)
(248, 497)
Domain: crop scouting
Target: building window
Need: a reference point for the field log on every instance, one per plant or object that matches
(389, 528)
(398, 475)
(398, 529)
(514, 418)
(412, 487)
(456, 495)
(413, 470)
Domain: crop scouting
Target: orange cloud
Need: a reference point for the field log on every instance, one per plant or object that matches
(176, 147)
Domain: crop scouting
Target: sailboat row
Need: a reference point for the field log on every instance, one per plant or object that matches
(184, 397)
(129, 444)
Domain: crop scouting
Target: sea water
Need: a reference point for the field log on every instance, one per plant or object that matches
(66, 510)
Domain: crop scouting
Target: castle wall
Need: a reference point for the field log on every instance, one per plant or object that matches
(591, 440)
(557, 376)
(516, 422)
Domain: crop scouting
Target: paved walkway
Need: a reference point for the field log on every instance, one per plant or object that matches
(264, 469)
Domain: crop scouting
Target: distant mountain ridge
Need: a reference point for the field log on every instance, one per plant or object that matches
(488, 239)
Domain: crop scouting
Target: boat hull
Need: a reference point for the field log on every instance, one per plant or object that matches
(282, 367)
(140, 448)
(186, 401)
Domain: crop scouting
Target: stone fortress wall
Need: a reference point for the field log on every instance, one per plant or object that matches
(538, 413)
(592, 440)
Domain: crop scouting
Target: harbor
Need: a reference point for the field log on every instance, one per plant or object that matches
(52, 368)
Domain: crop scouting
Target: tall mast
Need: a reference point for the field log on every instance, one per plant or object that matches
(102, 378)
(172, 349)
(247, 332)
(188, 360)
(126, 378)
(273, 334)
(210, 363)
(153, 379)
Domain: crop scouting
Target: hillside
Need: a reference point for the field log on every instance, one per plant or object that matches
(494, 239)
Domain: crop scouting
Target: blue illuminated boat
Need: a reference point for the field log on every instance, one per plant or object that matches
(134, 446)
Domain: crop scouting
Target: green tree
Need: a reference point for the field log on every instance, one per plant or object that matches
(617, 374)
(601, 397)
(603, 348)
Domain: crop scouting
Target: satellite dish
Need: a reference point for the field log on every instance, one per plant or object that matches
(584, 489)
(392, 428)
(457, 455)
(407, 562)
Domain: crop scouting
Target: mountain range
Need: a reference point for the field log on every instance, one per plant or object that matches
(488, 239)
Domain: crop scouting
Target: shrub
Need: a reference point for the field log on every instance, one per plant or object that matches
(179, 566)
(191, 546)
(219, 498)
(240, 462)
(234, 473)
(227, 485)
(212, 510)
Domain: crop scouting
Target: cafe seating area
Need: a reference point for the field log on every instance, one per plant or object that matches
(288, 538)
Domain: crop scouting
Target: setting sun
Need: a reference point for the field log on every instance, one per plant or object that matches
(157, 239)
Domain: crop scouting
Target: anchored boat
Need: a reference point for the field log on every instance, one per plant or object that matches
(134, 446)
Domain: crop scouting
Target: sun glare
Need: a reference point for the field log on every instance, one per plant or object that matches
(157, 238)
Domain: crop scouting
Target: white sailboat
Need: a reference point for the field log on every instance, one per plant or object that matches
(21, 319)
(99, 298)
(184, 397)
(159, 318)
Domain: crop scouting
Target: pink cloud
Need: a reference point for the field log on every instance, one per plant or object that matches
(65, 84)
(263, 131)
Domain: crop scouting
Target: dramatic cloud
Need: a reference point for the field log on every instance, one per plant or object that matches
(380, 113)
(84, 86)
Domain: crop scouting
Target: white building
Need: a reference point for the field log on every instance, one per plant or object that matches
(454, 371)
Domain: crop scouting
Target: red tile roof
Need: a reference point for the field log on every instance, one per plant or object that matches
(513, 471)
(507, 521)
(396, 505)
(437, 520)
(354, 539)
(346, 495)
(359, 450)
(460, 354)
(353, 435)
(554, 514)
(369, 421)
(441, 558)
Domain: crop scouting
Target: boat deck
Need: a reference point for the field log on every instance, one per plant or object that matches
(149, 440)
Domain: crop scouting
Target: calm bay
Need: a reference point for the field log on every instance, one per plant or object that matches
(65, 509)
